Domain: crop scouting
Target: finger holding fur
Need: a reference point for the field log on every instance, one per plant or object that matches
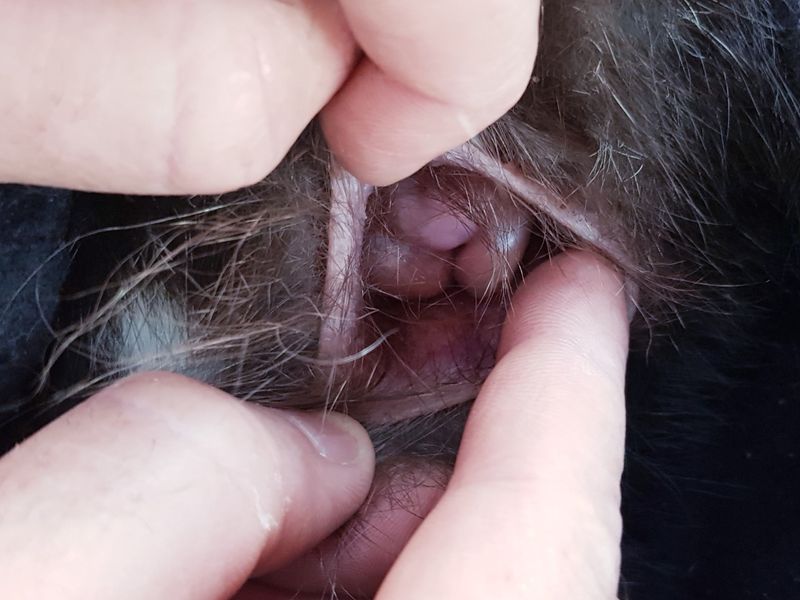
(161, 487)
(162, 97)
(436, 74)
(532, 510)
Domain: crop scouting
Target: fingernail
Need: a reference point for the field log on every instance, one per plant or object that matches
(632, 298)
(333, 435)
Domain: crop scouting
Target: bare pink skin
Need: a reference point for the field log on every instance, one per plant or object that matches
(342, 294)
(134, 493)
(400, 268)
(483, 272)
(426, 221)
(359, 557)
(424, 248)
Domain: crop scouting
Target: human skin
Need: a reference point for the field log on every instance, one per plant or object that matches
(207, 96)
(161, 487)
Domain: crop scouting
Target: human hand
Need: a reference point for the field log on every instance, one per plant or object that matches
(175, 97)
(533, 508)
(160, 487)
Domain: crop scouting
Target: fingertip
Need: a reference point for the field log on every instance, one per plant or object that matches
(437, 74)
(308, 471)
(335, 436)
(543, 447)
(167, 471)
(302, 473)
(327, 468)
(382, 131)
(575, 291)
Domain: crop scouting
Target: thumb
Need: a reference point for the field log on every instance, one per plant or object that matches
(162, 487)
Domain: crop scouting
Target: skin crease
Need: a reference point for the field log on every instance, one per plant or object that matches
(133, 493)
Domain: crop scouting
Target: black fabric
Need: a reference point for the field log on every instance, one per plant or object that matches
(712, 485)
(33, 225)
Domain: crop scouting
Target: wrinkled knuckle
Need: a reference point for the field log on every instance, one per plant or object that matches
(221, 132)
(223, 157)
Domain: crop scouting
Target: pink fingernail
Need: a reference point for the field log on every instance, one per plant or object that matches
(332, 435)
(631, 292)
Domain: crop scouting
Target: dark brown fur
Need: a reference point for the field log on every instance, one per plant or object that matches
(679, 118)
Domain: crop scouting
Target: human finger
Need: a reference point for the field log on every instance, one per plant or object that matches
(435, 75)
(160, 97)
(162, 487)
(532, 510)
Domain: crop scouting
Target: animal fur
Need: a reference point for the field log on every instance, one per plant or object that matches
(677, 119)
